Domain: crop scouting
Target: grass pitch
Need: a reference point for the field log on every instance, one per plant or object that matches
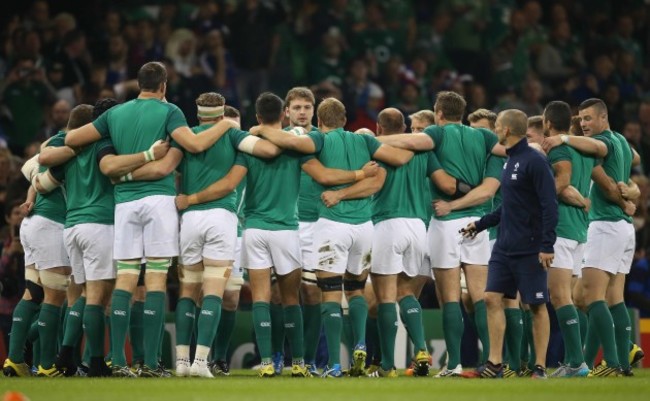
(243, 385)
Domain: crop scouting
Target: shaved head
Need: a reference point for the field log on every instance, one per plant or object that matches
(391, 121)
(515, 120)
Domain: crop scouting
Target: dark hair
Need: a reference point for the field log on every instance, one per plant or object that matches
(210, 99)
(231, 112)
(72, 37)
(593, 102)
(151, 76)
(268, 108)
(391, 121)
(80, 116)
(11, 204)
(451, 104)
(299, 92)
(102, 105)
(558, 113)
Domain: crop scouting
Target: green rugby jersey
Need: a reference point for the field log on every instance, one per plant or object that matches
(614, 165)
(573, 221)
(200, 170)
(463, 152)
(628, 156)
(493, 169)
(52, 205)
(239, 202)
(133, 127)
(272, 185)
(309, 195)
(405, 192)
(344, 150)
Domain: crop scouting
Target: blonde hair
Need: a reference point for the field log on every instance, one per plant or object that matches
(331, 113)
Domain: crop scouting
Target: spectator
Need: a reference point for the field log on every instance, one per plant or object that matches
(145, 48)
(530, 102)
(27, 95)
(181, 49)
(217, 64)
(59, 115)
(625, 40)
(376, 42)
(363, 98)
(638, 282)
(410, 100)
(76, 69)
(118, 68)
(330, 65)
(12, 267)
(561, 56)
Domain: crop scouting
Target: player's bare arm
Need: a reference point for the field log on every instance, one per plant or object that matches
(82, 136)
(114, 166)
(55, 155)
(629, 191)
(330, 177)
(413, 142)
(215, 191)
(196, 143)
(476, 196)
(362, 189)
(285, 140)
(160, 168)
(582, 144)
(562, 171)
(611, 190)
(396, 157)
(571, 196)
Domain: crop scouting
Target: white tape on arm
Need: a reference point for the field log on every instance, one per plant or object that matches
(30, 168)
(248, 144)
(48, 183)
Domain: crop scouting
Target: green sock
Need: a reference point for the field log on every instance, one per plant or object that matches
(600, 320)
(277, 328)
(224, 334)
(154, 318)
(32, 333)
(185, 316)
(528, 332)
(372, 335)
(36, 353)
(120, 316)
(567, 317)
(480, 318)
(311, 318)
(358, 311)
(452, 326)
(622, 330)
(109, 329)
(162, 336)
(411, 313)
(387, 321)
(136, 330)
(24, 313)
(209, 320)
(293, 326)
(584, 323)
(62, 321)
(85, 358)
(525, 354)
(48, 329)
(262, 325)
(592, 345)
(514, 332)
(331, 312)
(93, 322)
(74, 323)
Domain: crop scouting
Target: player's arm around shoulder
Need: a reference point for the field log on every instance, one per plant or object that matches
(214, 191)
(359, 190)
(159, 169)
(197, 143)
(330, 177)
(285, 140)
(87, 134)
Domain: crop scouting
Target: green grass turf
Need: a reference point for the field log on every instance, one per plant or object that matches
(243, 385)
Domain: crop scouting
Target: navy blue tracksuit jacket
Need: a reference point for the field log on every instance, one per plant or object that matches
(528, 214)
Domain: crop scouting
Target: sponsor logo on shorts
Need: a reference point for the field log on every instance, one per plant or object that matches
(265, 324)
(150, 312)
(119, 312)
(539, 295)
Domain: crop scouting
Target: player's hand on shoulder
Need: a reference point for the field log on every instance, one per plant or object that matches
(551, 142)
(370, 169)
(181, 202)
(160, 149)
(255, 130)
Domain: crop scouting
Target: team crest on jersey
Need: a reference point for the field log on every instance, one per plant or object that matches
(513, 177)
(516, 166)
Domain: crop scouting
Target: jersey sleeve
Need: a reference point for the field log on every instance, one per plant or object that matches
(318, 138)
(105, 148)
(175, 119)
(490, 139)
(305, 158)
(101, 124)
(236, 136)
(435, 133)
(494, 167)
(372, 143)
(242, 159)
(559, 154)
(433, 164)
(57, 140)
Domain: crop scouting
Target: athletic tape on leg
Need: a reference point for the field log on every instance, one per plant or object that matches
(54, 281)
(128, 267)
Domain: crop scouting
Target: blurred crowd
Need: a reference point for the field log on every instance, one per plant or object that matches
(369, 53)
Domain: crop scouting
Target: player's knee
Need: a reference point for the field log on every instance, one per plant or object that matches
(217, 272)
(35, 292)
(493, 300)
(54, 281)
(354, 285)
(330, 284)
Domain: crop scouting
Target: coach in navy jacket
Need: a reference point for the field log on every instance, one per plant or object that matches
(527, 219)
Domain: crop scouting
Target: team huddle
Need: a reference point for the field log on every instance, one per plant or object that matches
(518, 210)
